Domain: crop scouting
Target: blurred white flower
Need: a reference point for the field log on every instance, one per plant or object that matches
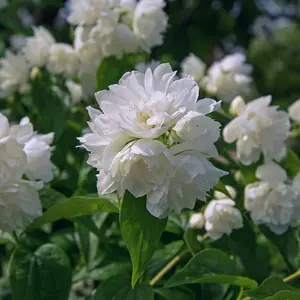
(193, 66)
(17, 42)
(88, 12)
(19, 205)
(221, 217)
(294, 111)
(152, 138)
(14, 73)
(63, 59)
(272, 201)
(260, 128)
(197, 221)
(75, 90)
(219, 195)
(150, 23)
(237, 106)
(37, 47)
(229, 77)
(143, 66)
(3, 4)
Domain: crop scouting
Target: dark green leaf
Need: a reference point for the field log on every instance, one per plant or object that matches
(285, 295)
(43, 275)
(49, 197)
(269, 287)
(190, 238)
(175, 294)
(210, 266)
(141, 232)
(118, 288)
(74, 207)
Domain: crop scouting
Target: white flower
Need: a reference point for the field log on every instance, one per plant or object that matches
(75, 90)
(88, 12)
(271, 201)
(14, 73)
(237, 106)
(152, 138)
(193, 66)
(37, 47)
(143, 67)
(17, 42)
(221, 217)
(150, 22)
(63, 59)
(197, 221)
(219, 195)
(3, 4)
(260, 128)
(294, 111)
(19, 205)
(12, 156)
(229, 77)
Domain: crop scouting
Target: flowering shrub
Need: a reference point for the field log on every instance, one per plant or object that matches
(139, 160)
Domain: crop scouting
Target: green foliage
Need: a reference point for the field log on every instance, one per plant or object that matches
(75, 207)
(42, 275)
(210, 266)
(141, 233)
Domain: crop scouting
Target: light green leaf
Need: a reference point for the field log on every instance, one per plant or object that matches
(220, 187)
(50, 197)
(291, 163)
(210, 266)
(269, 287)
(74, 207)
(141, 232)
(43, 275)
(285, 295)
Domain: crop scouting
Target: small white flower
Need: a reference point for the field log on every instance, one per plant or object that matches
(14, 73)
(37, 47)
(237, 106)
(143, 67)
(63, 59)
(152, 138)
(219, 195)
(150, 22)
(75, 90)
(229, 77)
(260, 128)
(294, 111)
(197, 221)
(221, 217)
(272, 201)
(193, 66)
(19, 205)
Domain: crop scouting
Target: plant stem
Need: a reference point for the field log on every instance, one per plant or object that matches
(15, 237)
(239, 297)
(292, 276)
(167, 267)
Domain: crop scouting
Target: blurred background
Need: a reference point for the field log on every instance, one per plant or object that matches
(266, 30)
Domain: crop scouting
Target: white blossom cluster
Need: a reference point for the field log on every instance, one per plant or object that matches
(220, 216)
(152, 137)
(258, 128)
(224, 79)
(24, 166)
(273, 201)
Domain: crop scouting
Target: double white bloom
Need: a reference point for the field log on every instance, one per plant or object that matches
(22, 152)
(224, 79)
(273, 201)
(258, 128)
(153, 138)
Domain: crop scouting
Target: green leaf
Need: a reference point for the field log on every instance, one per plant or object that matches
(291, 163)
(269, 287)
(43, 275)
(50, 197)
(210, 266)
(141, 232)
(287, 245)
(118, 288)
(175, 294)
(285, 295)
(220, 187)
(74, 207)
(190, 238)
